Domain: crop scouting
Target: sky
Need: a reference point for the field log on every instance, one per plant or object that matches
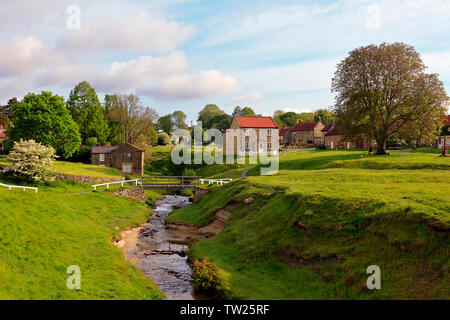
(184, 54)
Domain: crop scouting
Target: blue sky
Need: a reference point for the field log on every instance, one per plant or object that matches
(182, 54)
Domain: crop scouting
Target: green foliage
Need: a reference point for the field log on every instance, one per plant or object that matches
(208, 112)
(289, 118)
(179, 118)
(189, 172)
(221, 122)
(91, 141)
(205, 276)
(83, 155)
(45, 119)
(88, 113)
(166, 124)
(324, 115)
(32, 161)
(163, 139)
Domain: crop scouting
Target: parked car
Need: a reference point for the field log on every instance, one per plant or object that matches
(321, 147)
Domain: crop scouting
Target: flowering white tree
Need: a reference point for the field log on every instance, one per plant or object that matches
(32, 160)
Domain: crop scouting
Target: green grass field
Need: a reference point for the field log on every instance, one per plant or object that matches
(79, 169)
(359, 210)
(42, 234)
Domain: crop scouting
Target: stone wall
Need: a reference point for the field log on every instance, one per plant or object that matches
(135, 194)
(85, 179)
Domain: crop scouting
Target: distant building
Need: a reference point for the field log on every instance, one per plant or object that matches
(306, 134)
(283, 136)
(127, 158)
(444, 140)
(3, 138)
(251, 135)
(333, 140)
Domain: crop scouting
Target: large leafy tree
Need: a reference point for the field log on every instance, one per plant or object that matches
(130, 120)
(324, 115)
(179, 120)
(88, 113)
(6, 112)
(221, 122)
(384, 92)
(166, 124)
(208, 112)
(44, 118)
(289, 118)
(243, 112)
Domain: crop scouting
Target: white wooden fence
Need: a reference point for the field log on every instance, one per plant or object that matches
(219, 182)
(18, 187)
(136, 181)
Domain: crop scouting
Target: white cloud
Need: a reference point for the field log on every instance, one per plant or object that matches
(246, 99)
(24, 54)
(143, 32)
(206, 84)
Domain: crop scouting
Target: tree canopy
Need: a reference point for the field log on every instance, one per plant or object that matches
(179, 120)
(221, 122)
(44, 118)
(208, 112)
(166, 123)
(383, 92)
(88, 113)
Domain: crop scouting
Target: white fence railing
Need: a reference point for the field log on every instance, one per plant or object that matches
(18, 187)
(219, 182)
(136, 181)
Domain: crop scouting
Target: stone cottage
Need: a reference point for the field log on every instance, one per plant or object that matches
(127, 158)
(306, 134)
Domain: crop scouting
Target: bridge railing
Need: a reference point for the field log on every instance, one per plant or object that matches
(170, 182)
(19, 187)
(219, 182)
(136, 181)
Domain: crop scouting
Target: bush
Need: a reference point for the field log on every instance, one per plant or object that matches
(205, 276)
(189, 172)
(163, 139)
(83, 155)
(32, 161)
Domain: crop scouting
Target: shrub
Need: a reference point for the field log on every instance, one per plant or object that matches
(32, 161)
(205, 276)
(189, 172)
(163, 139)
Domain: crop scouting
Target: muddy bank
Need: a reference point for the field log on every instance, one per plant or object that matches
(159, 250)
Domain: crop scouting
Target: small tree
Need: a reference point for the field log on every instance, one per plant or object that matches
(31, 160)
(163, 139)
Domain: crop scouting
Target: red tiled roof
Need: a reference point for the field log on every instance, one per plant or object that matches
(103, 149)
(328, 127)
(333, 132)
(447, 121)
(2, 132)
(283, 131)
(306, 126)
(256, 122)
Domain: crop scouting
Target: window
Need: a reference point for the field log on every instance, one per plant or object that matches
(102, 157)
(247, 146)
(126, 156)
(269, 145)
(127, 168)
(269, 132)
(248, 132)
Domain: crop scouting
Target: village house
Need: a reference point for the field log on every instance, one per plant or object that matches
(283, 137)
(307, 134)
(127, 158)
(333, 139)
(251, 135)
(444, 140)
(2, 138)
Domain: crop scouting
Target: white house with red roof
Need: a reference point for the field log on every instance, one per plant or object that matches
(251, 135)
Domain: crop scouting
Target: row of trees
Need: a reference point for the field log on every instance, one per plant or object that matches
(82, 120)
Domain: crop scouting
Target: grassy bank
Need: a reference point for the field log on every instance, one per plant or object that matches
(42, 234)
(314, 228)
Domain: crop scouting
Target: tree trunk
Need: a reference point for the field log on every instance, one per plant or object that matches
(382, 146)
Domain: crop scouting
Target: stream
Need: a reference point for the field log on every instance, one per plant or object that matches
(159, 252)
